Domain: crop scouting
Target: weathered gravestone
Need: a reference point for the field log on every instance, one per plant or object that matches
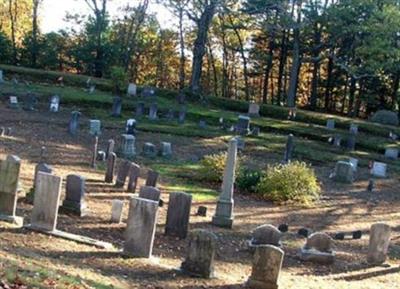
(224, 212)
(152, 177)
(123, 171)
(116, 211)
(353, 128)
(110, 147)
(111, 160)
(330, 123)
(140, 228)
(95, 127)
(139, 109)
(150, 193)
(287, 157)
(392, 153)
(266, 235)
(149, 150)
(202, 124)
(54, 103)
(9, 177)
(130, 127)
(75, 196)
(267, 265)
(318, 249)
(166, 150)
(1, 76)
(73, 126)
(254, 109)
(243, 125)
(13, 102)
(199, 261)
(153, 111)
(132, 89)
(344, 172)
(178, 214)
(117, 107)
(379, 240)
(133, 177)
(46, 202)
(128, 146)
(41, 167)
(379, 169)
(30, 102)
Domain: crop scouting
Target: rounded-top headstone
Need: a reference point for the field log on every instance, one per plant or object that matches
(266, 235)
(319, 241)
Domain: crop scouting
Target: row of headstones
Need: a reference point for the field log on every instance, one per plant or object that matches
(31, 101)
(345, 171)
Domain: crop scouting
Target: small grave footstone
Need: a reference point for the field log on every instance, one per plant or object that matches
(202, 211)
(344, 172)
(13, 102)
(178, 214)
(152, 177)
(283, 228)
(141, 227)
(9, 179)
(166, 150)
(339, 236)
(128, 148)
(46, 202)
(254, 110)
(379, 169)
(267, 265)
(318, 249)
(287, 157)
(330, 124)
(133, 177)
(94, 127)
(392, 153)
(139, 109)
(266, 235)
(123, 171)
(353, 128)
(153, 111)
(304, 232)
(243, 125)
(199, 261)
(54, 103)
(75, 196)
(117, 107)
(30, 102)
(132, 89)
(74, 123)
(130, 127)
(150, 193)
(116, 211)
(357, 235)
(379, 240)
(110, 147)
(149, 150)
(112, 158)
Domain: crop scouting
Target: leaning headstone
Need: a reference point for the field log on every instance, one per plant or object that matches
(123, 171)
(149, 150)
(116, 211)
(54, 103)
(199, 261)
(287, 157)
(318, 249)
(13, 102)
(153, 111)
(109, 178)
(74, 123)
(132, 89)
(224, 212)
(254, 109)
(267, 265)
(128, 148)
(353, 128)
(243, 125)
(117, 107)
(330, 123)
(266, 235)
(75, 196)
(130, 127)
(95, 127)
(110, 147)
(140, 228)
(150, 193)
(344, 172)
(133, 177)
(379, 169)
(152, 177)
(9, 178)
(178, 214)
(139, 109)
(166, 150)
(379, 240)
(392, 153)
(30, 102)
(46, 202)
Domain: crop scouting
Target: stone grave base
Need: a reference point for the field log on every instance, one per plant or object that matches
(15, 220)
(252, 247)
(223, 222)
(317, 256)
(79, 209)
(254, 284)
(73, 237)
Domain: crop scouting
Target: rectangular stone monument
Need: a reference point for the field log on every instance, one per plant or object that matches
(111, 160)
(54, 103)
(149, 150)
(178, 214)
(123, 171)
(254, 109)
(379, 240)
(13, 102)
(46, 202)
(128, 146)
(132, 89)
(134, 174)
(73, 126)
(153, 111)
(224, 212)
(148, 92)
(116, 211)
(75, 196)
(243, 125)
(166, 150)
(392, 153)
(117, 107)
(330, 123)
(344, 172)
(152, 177)
(9, 177)
(150, 193)
(95, 127)
(353, 128)
(140, 228)
(379, 169)
(30, 102)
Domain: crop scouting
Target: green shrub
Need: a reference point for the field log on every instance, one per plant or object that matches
(212, 167)
(385, 117)
(248, 180)
(119, 79)
(293, 182)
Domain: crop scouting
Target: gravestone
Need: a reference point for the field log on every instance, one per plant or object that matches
(140, 228)
(111, 160)
(132, 89)
(1, 76)
(46, 202)
(266, 235)
(130, 127)
(75, 196)
(13, 102)
(379, 169)
(116, 211)
(94, 152)
(139, 109)
(133, 177)
(254, 110)
(318, 249)
(199, 261)
(153, 111)
(92, 89)
(178, 214)
(54, 103)
(379, 240)
(202, 124)
(353, 128)
(266, 268)
(150, 193)
(344, 172)
(351, 142)
(30, 102)
(95, 127)
(110, 147)
(287, 157)
(337, 140)
(123, 171)
(392, 153)
(101, 156)
(354, 162)
(152, 177)
(148, 92)
(243, 125)
(166, 150)
(74, 123)
(182, 116)
(9, 178)
(330, 123)
(128, 149)
(117, 107)
(224, 212)
(41, 167)
(149, 150)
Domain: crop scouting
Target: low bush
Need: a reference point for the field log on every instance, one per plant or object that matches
(247, 180)
(294, 182)
(212, 167)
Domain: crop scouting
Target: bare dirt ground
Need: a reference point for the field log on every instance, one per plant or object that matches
(342, 208)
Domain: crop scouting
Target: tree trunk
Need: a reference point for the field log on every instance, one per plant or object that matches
(352, 93)
(182, 59)
(215, 74)
(328, 88)
(282, 62)
(35, 31)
